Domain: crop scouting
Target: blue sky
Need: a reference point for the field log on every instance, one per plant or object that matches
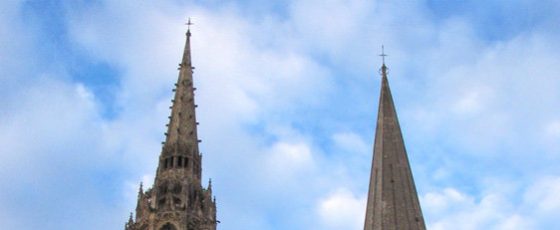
(287, 94)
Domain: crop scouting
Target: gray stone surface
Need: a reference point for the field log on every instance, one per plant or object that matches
(392, 200)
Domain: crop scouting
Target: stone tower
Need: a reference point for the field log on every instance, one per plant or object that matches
(392, 200)
(177, 200)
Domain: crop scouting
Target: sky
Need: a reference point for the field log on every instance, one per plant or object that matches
(287, 95)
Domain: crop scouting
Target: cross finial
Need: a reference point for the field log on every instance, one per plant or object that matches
(383, 55)
(189, 23)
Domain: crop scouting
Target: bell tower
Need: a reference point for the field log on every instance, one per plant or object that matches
(177, 200)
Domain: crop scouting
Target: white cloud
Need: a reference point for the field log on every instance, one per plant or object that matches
(351, 142)
(52, 142)
(342, 210)
(452, 209)
(543, 195)
(500, 207)
(441, 202)
(515, 222)
(472, 101)
(285, 160)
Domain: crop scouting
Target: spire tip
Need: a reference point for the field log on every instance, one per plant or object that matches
(383, 67)
(189, 23)
(383, 55)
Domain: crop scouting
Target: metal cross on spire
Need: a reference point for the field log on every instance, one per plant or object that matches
(383, 55)
(189, 23)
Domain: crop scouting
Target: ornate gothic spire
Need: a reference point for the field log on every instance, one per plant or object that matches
(392, 200)
(181, 136)
(183, 119)
(177, 199)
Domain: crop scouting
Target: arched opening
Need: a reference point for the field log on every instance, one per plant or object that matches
(180, 161)
(168, 226)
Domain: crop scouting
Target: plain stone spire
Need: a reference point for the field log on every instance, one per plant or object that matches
(392, 199)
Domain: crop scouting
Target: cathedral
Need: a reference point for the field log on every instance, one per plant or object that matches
(178, 201)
